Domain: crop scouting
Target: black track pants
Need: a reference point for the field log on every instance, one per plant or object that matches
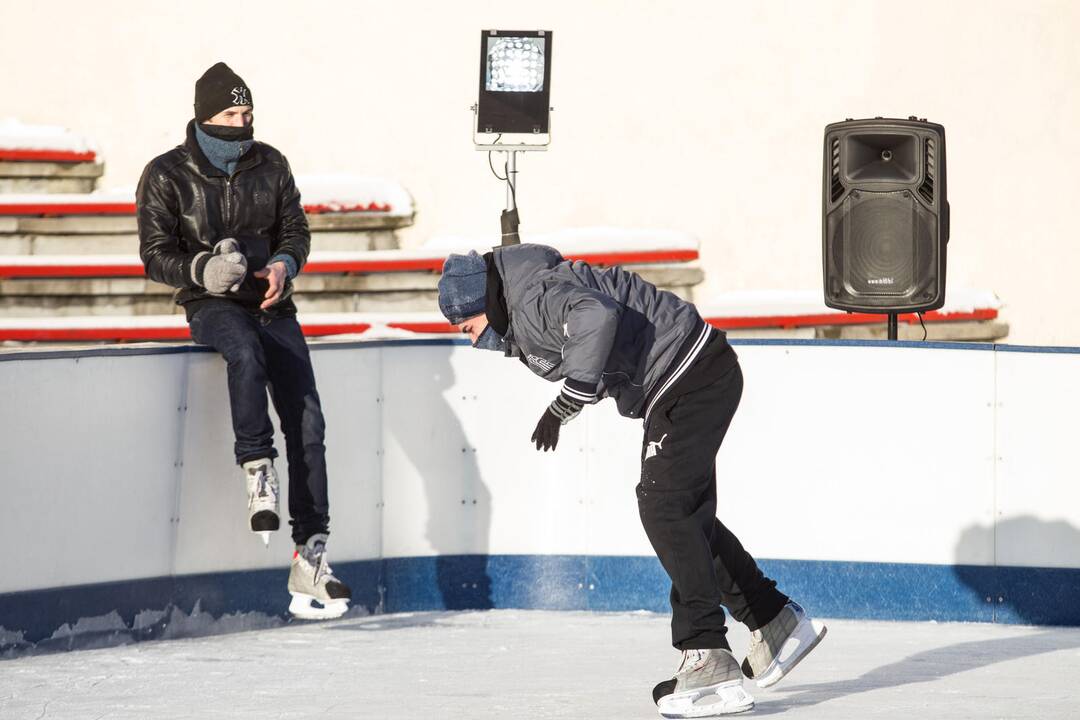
(677, 501)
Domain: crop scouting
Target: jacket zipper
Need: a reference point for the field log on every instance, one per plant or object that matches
(228, 204)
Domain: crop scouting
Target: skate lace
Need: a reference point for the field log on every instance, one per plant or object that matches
(322, 568)
(263, 487)
(691, 659)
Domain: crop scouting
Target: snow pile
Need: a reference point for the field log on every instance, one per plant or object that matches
(353, 193)
(14, 135)
(577, 241)
(110, 630)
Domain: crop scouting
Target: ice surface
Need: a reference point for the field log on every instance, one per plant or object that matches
(537, 664)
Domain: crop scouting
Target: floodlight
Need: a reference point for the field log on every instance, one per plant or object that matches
(515, 80)
(515, 86)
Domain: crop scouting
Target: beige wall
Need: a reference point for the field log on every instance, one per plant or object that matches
(700, 116)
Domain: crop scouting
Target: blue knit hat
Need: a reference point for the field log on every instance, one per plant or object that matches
(463, 287)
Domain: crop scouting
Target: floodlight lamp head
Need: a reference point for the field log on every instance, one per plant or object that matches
(515, 80)
(515, 64)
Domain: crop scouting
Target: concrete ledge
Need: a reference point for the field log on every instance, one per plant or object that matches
(315, 291)
(986, 331)
(358, 221)
(117, 224)
(90, 170)
(48, 177)
(128, 243)
(46, 185)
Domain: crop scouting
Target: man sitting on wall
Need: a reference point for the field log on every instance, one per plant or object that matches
(608, 333)
(220, 220)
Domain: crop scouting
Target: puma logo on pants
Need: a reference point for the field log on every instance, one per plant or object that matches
(654, 447)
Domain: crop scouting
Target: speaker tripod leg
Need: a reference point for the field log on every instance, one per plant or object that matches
(894, 327)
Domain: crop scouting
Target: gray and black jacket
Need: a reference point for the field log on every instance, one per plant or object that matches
(604, 332)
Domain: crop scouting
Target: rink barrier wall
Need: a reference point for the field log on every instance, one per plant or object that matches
(931, 481)
(56, 618)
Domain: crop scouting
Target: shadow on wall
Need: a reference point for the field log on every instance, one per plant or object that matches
(459, 503)
(1026, 595)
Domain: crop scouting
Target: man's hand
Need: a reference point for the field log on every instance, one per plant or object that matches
(223, 269)
(275, 274)
(560, 412)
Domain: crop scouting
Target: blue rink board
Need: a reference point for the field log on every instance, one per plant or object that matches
(876, 591)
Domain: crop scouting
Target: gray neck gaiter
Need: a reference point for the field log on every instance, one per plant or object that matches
(222, 154)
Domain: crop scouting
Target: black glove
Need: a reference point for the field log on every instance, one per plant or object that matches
(560, 412)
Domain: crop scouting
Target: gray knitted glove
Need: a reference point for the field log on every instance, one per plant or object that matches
(220, 271)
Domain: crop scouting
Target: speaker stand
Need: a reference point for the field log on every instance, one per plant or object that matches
(893, 326)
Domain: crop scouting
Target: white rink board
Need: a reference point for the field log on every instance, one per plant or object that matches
(852, 451)
(865, 453)
(89, 465)
(1038, 466)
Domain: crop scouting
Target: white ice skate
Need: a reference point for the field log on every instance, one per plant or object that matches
(316, 593)
(262, 489)
(708, 683)
(779, 646)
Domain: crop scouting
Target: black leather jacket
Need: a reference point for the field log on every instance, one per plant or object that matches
(185, 206)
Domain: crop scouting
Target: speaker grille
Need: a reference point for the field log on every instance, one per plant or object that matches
(837, 186)
(882, 247)
(880, 254)
(926, 189)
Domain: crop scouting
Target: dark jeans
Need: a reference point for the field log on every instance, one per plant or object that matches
(262, 352)
(677, 500)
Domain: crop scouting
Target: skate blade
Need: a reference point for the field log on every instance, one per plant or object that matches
(307, 607)
(806, 636)
(724, 699)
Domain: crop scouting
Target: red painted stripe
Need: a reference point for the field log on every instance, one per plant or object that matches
(335, 329)
(430, 264)
(372, 266)
(435, 264)
(94, 333)
(631, 256)
(318, 209)
(794, 321)
(94, 208)
(121, 334)
(46, 155)
(424, 327)
(62, 209)
(72, 271)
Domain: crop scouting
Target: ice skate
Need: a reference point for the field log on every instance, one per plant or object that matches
(708, 683)
(316, 593)
(779, 646)
(262, 488)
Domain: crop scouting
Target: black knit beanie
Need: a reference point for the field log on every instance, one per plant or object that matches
(219, 89)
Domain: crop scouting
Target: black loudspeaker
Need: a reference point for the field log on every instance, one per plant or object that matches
(885, 215)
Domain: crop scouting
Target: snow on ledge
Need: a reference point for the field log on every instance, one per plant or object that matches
(15, 135)
(342, 193)
(318, 193)
(574, 241)
(784, 303)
